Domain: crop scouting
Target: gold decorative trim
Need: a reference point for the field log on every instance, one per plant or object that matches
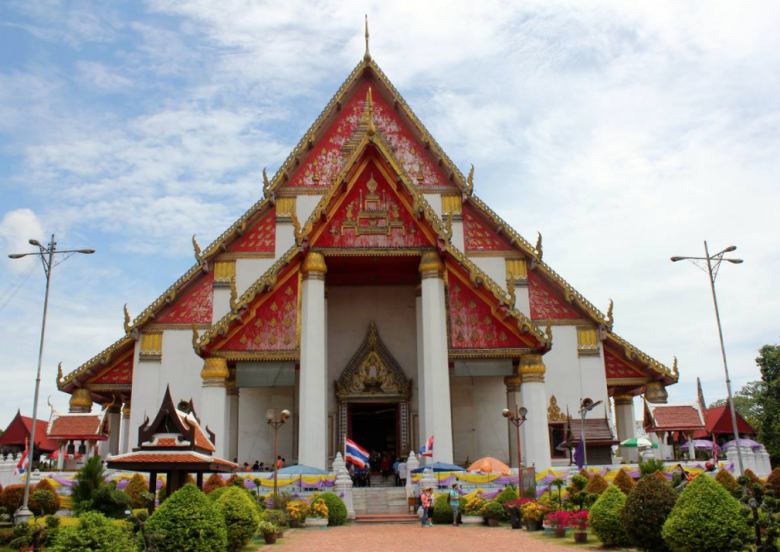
(464, 354)
(496, 254)
(298, 191)
(431, 190)
(531, 368)
(156, 328)
(431, 265)
(623, 400)
(109, 387)
(554, 413)
(512, 383)
(635, 354)
(81, 398)
(234, 255)
(338, 252)
(563, 322)
(257, 355)
(314, 267)
(621, 382)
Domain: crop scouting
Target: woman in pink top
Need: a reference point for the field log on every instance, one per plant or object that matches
(426, 498)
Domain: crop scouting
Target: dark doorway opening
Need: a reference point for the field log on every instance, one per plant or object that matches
(375, 428)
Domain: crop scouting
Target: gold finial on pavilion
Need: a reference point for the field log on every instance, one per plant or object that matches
(610, 320)
(675, 370)
(370, 108)
(367, 55)
(266, 183)
(539, 250)
(233, 295)
(59, 372)
(127, 320)
(198, 254)
(470, 182)
(195, 336)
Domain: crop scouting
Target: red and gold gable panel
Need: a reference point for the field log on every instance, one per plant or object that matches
(273, 321)
(194, 306)
(261, 238)
(119, 373)
(472, 322)
(478, 236)
(372, 215)
(545, 303)
(617, 368)
(332, 150)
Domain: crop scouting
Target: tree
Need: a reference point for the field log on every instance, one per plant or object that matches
(647, 507)
(768, 361)
(136, 489)
(190, 522)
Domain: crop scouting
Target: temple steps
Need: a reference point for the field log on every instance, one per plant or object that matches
(386, 518)
(368, 501)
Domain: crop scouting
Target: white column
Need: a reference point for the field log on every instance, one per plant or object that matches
(125, 445)
(213, 407)
(313, 424)
(233, 409)
(114, 429)
(626, 425)
(61, 455)
(691, 450)
(534, 396)
(436, 395)
(421, 429)
(513, 400)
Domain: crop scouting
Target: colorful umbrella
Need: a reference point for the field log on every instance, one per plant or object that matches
(640, 442)
(488, 464)
(745, 443)
(699, 444)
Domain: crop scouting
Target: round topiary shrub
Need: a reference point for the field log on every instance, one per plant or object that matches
(645, 513)
(213, 482)
(135, 490)
(728, 481)
(754, 479)
(624, 482)
(13, 496)
(596, 485)
(217, 493)
(337, 510)
(605, 517)
(44, 500)
(442, 512)
(509, 493)
(94, 533)
(705, 518)
(190, 521)
(241, 517)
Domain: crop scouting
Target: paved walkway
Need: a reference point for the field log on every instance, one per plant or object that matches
(389, 538)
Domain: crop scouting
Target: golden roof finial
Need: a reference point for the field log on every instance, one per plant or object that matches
(370, 112)
(266, 183)
(676, 372)
(198, 255)
(59, 372)
(610, 320)
(470, 182)
(127, 320)
(539, 251)
(367, 55)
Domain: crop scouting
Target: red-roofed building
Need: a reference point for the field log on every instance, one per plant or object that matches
(18, 432)
(670, 424)
(718, 424)
(76, 433)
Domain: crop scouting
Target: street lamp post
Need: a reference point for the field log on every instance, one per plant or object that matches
(586, 406)
(276, 420)
(517, 418)
(46, 255)
(713, 266)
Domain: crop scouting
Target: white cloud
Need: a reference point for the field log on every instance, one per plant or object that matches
(16, 229)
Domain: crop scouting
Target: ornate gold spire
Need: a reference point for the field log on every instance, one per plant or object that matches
(610, 320)
(266, 183)
(676, 372)
(127, 320)
(539, 251)
(367, 55)
(198, 253)
(470, 182)
(370, 113)
(59, 372)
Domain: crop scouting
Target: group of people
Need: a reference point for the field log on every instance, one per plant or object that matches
(361, 476)
(261, 466)
(427, 500)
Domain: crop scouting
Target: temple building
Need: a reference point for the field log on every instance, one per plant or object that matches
(375, 296)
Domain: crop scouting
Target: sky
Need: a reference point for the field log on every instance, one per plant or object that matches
(624, 132)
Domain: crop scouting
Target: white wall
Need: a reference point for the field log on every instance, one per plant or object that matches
(247, 273)
(304, 206)
(523, 300)
(478, 427)
(221, 303)
(495, 267)
(434, 200)
(255, 436)
(146, 381)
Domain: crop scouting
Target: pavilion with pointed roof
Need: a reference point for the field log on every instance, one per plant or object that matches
(369, 224)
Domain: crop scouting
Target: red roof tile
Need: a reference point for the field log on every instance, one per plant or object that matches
(167, 458)
(201, 440)
(74, 426)
(676, 417)
(20, 428)
(718, 420)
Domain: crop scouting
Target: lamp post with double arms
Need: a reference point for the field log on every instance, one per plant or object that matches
(713, 266)
(276, 420)
(586, 406)
(517, 418)
(47, 257)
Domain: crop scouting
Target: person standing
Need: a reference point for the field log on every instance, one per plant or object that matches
(455, 503)
(402, 473)
(395, 471)
(385, 467)
(426, 499)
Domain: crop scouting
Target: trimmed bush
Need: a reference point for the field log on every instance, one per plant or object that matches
(47, 506)
(217, 493)
(13, 496)
(213, 482)
(108, 500)
(136, 489)
(646, 510)
(705, 518)
(241, 517)
(337, 511)
(491, 510)
(624, 482)
(753, 478)
(596, 485)
(584, 473)
(773, 481)
(605, 517)
(728, 481)
(442, 512)
(94, 533)
(233, 478)
(503, 497)
(659, 475)
(190, 521)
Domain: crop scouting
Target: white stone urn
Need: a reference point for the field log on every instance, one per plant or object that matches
(472, 520)
(316, 522)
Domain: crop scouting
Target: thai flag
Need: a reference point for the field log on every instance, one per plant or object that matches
(355, 453)
(427, 449)
(23, 462)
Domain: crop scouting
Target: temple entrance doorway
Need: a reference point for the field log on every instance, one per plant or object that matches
(375, 428)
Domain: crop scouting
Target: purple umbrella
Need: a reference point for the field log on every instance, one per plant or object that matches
(745, 443)
(699, 444)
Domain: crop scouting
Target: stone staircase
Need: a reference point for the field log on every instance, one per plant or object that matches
(381, 505)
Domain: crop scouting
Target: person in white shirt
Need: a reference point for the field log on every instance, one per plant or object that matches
(402, 473)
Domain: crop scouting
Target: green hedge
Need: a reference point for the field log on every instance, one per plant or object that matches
(442, 511)
(606, 517)
(645, 513)
(337, 510)
(241, 517)
(705, 518)
(190, 521)
(94, 533)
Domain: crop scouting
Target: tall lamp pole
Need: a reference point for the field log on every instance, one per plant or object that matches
(713, 266)
(586, 406)
(46, 254)
(276, 420)
(517, 418)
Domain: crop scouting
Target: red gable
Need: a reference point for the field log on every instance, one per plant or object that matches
(327, 156)
(119, 373)
(547, 304)
(478, 236)
(272, 321)
(718, 420)
(473, 324)
(260, 238)
(617, 368)
(19, 430)
(372, 214)
(195, 306)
